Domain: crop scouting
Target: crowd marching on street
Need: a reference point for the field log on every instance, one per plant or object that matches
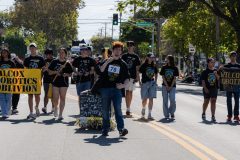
(113, 77)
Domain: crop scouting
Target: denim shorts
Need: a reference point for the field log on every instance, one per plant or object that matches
(83, 86)
(149, 90)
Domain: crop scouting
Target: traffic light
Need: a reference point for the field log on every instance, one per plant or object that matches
(115, 19)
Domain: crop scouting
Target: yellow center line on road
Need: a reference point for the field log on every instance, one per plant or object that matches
(193, 146)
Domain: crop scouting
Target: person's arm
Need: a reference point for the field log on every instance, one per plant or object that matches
(122, 85)
(103, 67)
(204, 86)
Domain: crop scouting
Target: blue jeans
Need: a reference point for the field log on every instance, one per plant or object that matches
(5, 103)
(172, 97)
(83, 86)
(111, 95)
(229, 103)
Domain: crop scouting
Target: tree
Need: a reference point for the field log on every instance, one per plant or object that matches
(101, 42)
(56, 19)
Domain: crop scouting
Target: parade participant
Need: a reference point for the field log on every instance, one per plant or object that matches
(169, 73)
(16, 96)
(148, 84)
(61, 70)
(84, 68)
(114, 78)
(5, 98)
(34, 61)
(133, 63)
(47, 79)
(210, 79)
(233, 64)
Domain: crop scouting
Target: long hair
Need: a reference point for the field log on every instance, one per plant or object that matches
(171, 60)
(146, 62)
(6, 50)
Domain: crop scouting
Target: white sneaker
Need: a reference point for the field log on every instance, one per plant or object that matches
(55, 112)
(31, 116)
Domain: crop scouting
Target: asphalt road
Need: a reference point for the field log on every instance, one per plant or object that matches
(186, 138)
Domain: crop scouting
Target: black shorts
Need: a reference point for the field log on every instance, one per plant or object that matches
(213, 92)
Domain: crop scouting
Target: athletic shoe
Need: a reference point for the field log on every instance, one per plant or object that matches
(172, 116)
(4, 117)
(105, 133)
(123, 132)
(31, 116)
(60, 118)
(44, 110)
(236, 118)
(150, 118)
(14, 111)
(55, 112)
(203, 116)
(213, 119)
(229, 118)
(37, 111)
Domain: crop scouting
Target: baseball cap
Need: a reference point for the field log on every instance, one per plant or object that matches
(32, 45)
(83, 47)
(150, 55)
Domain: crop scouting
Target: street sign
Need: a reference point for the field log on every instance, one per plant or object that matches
(144, 24)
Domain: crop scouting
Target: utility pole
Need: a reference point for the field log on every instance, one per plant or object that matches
(217, 36)
(120, 31)
(158, 34)
(153, 38)
(105, 30)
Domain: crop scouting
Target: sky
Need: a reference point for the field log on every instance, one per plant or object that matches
(91, 19)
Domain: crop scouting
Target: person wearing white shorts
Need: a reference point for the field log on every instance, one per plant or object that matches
(133, 63)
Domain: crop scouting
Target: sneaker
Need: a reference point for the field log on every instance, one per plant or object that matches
(229, 118)
(203, 116)
(4, 117)
(150, 118)
(123, 132)
(31, 116)
(44, 110)
(55, 112)
(236, 118)
(105, 133)
(213, 119)
(37, 111)
(14, 111)
(60, 118)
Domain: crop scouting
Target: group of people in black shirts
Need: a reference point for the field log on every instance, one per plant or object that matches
(210, 82)
(114, 77)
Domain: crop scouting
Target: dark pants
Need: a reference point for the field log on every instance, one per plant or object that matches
(229, 103)
(15, 100)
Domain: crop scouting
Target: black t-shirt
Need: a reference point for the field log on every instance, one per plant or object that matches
(7, 64)
(56, 65)
(169, 73)
(132, 61)
(34, 62)
(83, 65)
(115, 72)
(46, 77)
(148, 72)
(209, 78)
(18, 65)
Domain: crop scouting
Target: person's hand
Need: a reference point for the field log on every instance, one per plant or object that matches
(206, 90)
(44, 68)
(169, 89)
(215, 73)
(120, 86)
(110, 60)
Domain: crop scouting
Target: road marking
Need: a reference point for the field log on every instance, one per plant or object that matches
(185, 141)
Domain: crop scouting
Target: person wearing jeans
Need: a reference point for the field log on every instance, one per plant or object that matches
(233, 64)
(169, 73)
(114, 77)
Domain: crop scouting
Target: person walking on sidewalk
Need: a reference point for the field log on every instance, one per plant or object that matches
(114, 77)
(133, 63)
(169, 73)
(34, 61)
(47, 79)
(61, 70)
(233, 64)
(210, 79)
(148, 84)
(5, 98)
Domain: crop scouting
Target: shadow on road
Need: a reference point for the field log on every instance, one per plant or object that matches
(103, 141)
(17, 121)
(230, 123)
